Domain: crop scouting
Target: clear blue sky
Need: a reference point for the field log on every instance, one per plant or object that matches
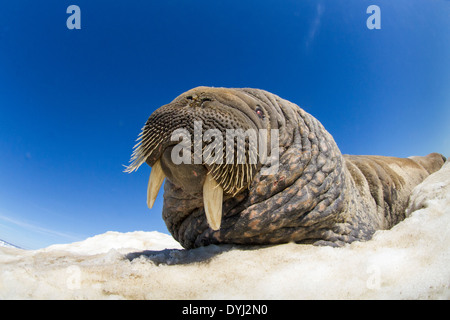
(72, 102)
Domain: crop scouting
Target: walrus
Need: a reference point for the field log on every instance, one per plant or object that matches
(315, 195)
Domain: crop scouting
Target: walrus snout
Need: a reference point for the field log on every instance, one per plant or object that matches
(190, 177)
(195, 180)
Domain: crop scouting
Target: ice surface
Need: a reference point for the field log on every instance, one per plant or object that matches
(410, 261)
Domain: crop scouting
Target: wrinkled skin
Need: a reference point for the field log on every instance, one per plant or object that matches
(317, 196)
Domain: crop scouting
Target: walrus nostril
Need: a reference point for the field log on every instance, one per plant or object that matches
(204, 100)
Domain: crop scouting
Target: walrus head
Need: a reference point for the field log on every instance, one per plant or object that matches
(267, 189)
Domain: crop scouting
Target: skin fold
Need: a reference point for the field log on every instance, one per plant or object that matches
(317, 195)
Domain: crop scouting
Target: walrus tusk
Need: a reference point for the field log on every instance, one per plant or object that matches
(154, 183)
(212, 200)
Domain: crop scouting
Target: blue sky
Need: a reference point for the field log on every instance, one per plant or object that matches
(72, 102)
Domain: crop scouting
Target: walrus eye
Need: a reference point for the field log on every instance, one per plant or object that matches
(259, 112)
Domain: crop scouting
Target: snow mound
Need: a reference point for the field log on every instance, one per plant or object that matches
(410, 261)
(122, 242)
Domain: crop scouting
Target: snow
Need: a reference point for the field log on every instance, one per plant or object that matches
(410, 261)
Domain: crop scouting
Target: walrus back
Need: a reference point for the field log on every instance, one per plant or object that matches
(387, 182)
